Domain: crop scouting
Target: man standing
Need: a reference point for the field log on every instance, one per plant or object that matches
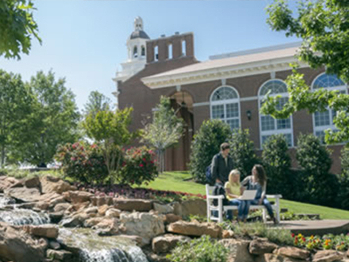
(222, 164)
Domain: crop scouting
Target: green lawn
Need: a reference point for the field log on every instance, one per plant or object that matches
(176, 181)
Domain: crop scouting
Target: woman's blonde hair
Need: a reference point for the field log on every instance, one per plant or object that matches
(234, 172)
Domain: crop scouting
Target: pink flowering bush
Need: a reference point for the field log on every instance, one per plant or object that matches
(82, 162)
(138, 166)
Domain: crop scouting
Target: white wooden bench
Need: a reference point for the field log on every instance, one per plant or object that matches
(220, 208)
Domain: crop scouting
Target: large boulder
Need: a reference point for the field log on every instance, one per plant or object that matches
(32, 182)
(195, 229)
(145, 225)
(51, 184)
(261, 246)
(238, 250)
(23, 194)
(139, 205)
(101, 200)
(78, 197)
(277, 258)
(163, 209)
(165, 243)
(60, 255)
(294, 252)
(327, 256)
(17, 245)
(7, 182)
(171, 218)
(47, 231)
(191, 207)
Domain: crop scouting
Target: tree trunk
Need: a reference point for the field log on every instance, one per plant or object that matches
(2, 156)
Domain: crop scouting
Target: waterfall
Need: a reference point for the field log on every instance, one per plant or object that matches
(94, 248)
(19, 216)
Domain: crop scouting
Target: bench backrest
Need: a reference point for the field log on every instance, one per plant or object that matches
(209, 192)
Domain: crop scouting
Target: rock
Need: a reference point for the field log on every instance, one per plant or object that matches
(261, 246)
(227, 234)
(171, 218)
(79, 196)
(23, 194)
(61, 255)
(145, 225)
(57, 200)
(51, 184)
(61, 207)
(152, 257)
(32, 182)
(163, 209)
(195, 229)
(81, 206)
(92, 221)
(327, 256)
(91, 210)
(293, 252)
(16, 245)
(113, 212)
(74, 221)
(101, 200)
(41, 205)
(102, 210)
(6, 182)
(47, 231)
(139, 205)
(55, 217)
(165, 243)
(277, 258)
(54, 245)
(238, 250)
(191, 207)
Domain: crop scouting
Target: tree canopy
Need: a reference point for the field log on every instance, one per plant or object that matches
(323, 26)
(17, 27)
(96, 102)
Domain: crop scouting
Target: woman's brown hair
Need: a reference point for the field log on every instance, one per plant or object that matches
(262, 177)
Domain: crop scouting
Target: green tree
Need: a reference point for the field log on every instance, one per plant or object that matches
(277, 163)
(15, 105)
(320, 186)
(164, 131)
(96, 102)
(53, 121)
(242, 151)
(110, 129)
(17, 27)
(324, 27)
(205, 145)
(343, 191)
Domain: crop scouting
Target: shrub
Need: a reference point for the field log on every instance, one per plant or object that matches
(242, 151)
(343, 192)
(138, 166)
(314, 158)
(277, 163)
(82, 162)
(205, 145)
(199, 250)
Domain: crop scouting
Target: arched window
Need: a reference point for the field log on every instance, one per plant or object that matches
(156, 53)
(269, 125)
(324, 120)
(135, 52)
(225, 105)
(143, 51)
(184, 51)
(170, 53)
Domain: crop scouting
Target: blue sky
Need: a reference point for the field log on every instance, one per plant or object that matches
(85, 41)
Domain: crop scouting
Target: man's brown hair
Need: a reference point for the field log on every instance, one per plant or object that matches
(225, 146)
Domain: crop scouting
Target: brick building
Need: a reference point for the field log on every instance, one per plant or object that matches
(230, 87)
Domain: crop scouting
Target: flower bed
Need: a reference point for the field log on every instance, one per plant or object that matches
(327, 242)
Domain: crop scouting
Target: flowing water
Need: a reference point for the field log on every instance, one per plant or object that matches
(101, 249)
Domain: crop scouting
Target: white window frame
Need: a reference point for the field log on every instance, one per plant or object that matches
(224, 102)
(275, 131)
(331, 125)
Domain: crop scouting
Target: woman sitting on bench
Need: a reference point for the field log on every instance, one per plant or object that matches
(258, 181)
(233, 192)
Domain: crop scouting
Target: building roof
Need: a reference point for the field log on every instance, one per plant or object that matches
(224, 68)
(139, 34)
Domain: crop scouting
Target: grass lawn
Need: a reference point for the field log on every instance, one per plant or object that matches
(176, 181)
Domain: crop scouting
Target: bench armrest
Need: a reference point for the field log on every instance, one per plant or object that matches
(274, 196)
